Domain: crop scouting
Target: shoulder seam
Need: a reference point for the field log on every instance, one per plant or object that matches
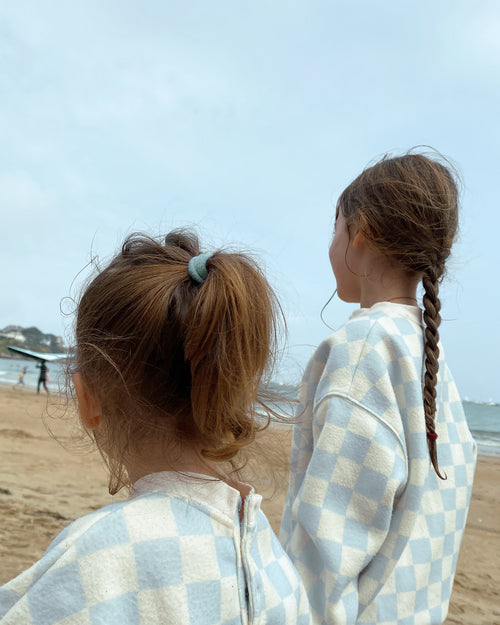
(358, 404)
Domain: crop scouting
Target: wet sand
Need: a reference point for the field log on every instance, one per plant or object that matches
(44, 486)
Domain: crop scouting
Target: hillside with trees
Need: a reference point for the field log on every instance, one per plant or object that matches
(29, 338)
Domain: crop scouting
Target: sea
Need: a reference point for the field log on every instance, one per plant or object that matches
(483, 417)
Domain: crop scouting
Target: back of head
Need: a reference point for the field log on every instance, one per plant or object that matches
(407, 208)
(168, 357)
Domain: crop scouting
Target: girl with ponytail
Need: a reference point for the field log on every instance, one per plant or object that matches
(382, 458)
(173, 348)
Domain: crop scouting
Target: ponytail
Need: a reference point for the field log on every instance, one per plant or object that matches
(229, 344)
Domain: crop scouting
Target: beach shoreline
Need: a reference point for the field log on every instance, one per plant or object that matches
(43, 487)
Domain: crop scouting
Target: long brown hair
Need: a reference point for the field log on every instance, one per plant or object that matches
(168, 356)
(407, 207)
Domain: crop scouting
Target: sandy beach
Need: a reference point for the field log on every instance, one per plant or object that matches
(44, 486)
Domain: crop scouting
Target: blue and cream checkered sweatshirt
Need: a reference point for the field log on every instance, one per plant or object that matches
(175, 553)
(372, 530)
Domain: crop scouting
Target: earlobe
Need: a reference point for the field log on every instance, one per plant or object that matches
(88, 406)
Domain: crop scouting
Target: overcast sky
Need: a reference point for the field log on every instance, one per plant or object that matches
(245, 120)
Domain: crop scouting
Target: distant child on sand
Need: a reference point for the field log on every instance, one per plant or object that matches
(20, 377)
(382, 458)
(171, 349)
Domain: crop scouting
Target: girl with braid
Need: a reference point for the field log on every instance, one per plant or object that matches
(382, 458)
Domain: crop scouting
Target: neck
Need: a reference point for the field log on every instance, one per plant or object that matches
(411, 301)
(155, 457)
(395, 287)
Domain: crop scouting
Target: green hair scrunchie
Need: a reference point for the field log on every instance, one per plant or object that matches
(197, 267)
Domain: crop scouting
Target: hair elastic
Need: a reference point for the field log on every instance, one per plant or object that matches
(432, 436)
(197, 267)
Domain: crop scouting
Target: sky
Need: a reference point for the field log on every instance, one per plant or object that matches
(245, 121)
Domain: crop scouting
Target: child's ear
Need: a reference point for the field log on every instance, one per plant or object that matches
(359, 238)
(88, 406)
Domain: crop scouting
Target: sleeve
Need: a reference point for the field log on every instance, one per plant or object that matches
(299, 459)
(8, 599)
(41, 594)
(344, 509)
(302, 439)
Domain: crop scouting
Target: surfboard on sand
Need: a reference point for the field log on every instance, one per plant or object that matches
(38, 355)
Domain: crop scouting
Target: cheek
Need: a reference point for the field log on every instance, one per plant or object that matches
(336, 254)
(330, 254)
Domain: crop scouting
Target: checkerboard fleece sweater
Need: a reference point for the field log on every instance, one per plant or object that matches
(372, 530)
(175, 553)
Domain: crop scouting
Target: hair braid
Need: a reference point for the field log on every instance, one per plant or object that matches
(432, 319)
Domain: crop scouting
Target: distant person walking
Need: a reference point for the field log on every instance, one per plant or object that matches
(43, 377)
